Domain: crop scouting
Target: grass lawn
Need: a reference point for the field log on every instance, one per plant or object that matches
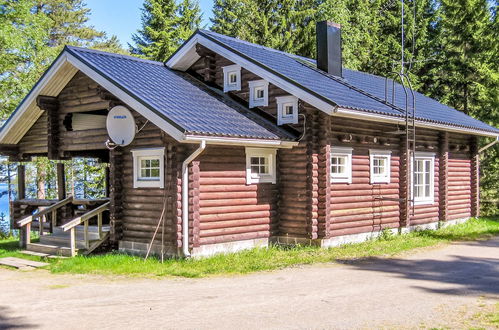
(271, 258)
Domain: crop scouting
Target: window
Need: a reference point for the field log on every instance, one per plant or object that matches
(341, 165)
(148, 168)
(258, 91)
(423, 186)
(379, 166)
(287, 110)
(260, 165)
(232, 78)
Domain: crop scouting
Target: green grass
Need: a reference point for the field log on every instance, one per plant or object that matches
(264, 259)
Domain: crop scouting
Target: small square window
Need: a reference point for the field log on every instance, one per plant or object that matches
(232, 78)
(341, 165)
(260, 165)
(380, 166)
(287, 110)
(148, 168)
(258, 93)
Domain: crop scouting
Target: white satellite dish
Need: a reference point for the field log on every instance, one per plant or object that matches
(120, 125)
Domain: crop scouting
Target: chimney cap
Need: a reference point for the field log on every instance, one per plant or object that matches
(333, 24)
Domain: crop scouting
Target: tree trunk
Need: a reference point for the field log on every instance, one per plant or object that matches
(41, 176)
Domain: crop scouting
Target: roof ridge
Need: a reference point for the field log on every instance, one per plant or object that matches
(252, 44)
(123, 56)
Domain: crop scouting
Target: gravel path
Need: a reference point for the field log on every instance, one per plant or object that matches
(431, 288)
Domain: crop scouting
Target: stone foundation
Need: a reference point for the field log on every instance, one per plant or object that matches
(140, 249)
(137, 248)
(230, 247)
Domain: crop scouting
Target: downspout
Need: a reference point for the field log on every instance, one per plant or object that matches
(185, 198)
(488, 145)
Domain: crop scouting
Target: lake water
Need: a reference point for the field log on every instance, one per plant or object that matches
(4, 208)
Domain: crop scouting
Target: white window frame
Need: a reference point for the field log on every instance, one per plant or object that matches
(425, 199)
(270, 155)
(384, 177)
(258, 102)
(228, 70)
(282, 101)
(148, 153)
(345, 152)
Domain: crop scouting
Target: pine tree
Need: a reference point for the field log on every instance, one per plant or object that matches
(165, 26)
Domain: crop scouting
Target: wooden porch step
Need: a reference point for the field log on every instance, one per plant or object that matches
(49, 249)
(64, 240)
(40, 254)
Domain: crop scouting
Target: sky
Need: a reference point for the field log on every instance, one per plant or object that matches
(122, 17)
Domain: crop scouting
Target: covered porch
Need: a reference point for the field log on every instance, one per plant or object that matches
(66, 225)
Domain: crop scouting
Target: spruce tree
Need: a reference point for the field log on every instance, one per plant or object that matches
(165, 26)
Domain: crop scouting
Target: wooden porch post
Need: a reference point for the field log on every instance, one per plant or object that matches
(21, 194)
(21, 181)
(107, 178)
(50, 104)
(61, 182)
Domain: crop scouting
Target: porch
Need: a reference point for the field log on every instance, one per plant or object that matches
(66, 227)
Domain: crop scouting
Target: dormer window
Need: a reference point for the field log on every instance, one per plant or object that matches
(258, 93)
(232, 78)
(287, 110)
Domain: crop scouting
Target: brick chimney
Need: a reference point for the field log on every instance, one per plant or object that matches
(329, 47)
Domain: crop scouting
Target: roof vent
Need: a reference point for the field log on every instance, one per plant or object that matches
(329, 47)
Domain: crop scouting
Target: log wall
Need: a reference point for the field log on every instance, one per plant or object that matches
(229, 209)
(82, 95)
(141, 208)
(303, 172)
(428, 141)
(362, 207)
(460, 174)
(35, 141)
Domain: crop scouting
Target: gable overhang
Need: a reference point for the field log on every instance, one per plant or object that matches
(370, 116)
(27, 113)
(63, 70)
(186, 56)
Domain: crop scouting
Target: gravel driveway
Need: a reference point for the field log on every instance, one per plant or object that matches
(430, 288)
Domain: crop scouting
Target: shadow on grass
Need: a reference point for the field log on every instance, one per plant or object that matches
(458, 276)
(9, 245)
(16, 322)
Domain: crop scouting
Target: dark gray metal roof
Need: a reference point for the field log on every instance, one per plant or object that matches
(356, 90)
(186, 104)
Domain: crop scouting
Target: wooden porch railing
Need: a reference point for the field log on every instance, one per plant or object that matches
(40, 215)
(71, 225)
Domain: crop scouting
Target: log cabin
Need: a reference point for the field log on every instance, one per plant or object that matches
(230, 145)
